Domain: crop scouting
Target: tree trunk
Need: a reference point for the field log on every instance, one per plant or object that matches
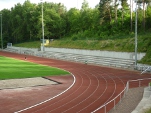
(122, 17)
(144, 15)
(131, 11)
(115, 12)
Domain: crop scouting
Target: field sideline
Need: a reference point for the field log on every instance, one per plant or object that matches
(11, 69)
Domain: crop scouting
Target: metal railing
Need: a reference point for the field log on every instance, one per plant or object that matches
(149, 86)
(118, 98)
(148, 69)
(143, 68)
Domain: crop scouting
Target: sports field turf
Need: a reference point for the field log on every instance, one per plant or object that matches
(12, 68)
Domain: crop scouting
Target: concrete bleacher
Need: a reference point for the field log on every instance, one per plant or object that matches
(28, 52)
(11, 50)
(87, 59)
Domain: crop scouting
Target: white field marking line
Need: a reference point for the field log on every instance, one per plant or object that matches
(60, 99)
(112, 99)
(85, 98)
(118, 78)
(103, 92)
(115, 85)
(50, 98)
(45, 100)
(118, 95)
(108, 102)
(74, 98)
(106, 88)
(114, 88)
(96, 99)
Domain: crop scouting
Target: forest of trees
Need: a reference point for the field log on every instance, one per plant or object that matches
(23, 21)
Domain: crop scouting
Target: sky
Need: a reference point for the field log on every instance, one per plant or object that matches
(68, 3)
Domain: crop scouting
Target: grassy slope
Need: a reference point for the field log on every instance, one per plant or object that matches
(11, 68)
(126, 44)
(148, 111)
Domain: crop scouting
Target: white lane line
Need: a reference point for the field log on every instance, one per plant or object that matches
(59, 100)
(74, 98)
(50, 98)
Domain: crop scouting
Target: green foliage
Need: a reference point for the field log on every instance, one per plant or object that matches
(33, 44)
(11, 69)
(118, 42)
(105, 21)
(147, 58)
(148, 111)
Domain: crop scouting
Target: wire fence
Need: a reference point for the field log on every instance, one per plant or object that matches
(130, 84)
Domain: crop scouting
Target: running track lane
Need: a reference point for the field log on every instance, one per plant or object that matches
(94, 86)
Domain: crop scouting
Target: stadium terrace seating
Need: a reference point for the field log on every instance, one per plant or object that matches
(87, 59)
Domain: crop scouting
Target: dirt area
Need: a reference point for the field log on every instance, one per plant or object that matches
(26, 82)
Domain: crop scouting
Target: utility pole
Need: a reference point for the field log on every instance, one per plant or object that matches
(1, 33)
(43, 46)
(136, 37)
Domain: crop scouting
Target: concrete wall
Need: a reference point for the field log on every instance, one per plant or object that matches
(22, 48)
(124, 55)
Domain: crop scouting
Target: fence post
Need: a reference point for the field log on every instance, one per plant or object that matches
(124, 93)
(105, 109)
(120, 97)
(114, 104)
(127, 86)
(139, 83)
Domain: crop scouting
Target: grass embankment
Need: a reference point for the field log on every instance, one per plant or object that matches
(148, 111)
(11, 69)
(112, 43)
(33, 44)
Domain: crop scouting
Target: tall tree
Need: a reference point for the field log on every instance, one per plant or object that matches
(148, 17)
(144, 5)
(105, 11)
(124, 5)
(116, 4)
(73, 21)
(85, 5)
(131, 11)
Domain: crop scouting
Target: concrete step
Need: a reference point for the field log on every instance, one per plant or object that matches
(145, 103)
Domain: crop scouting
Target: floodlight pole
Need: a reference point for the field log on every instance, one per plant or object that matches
(43, 46)
(1, 33)
(136, 37)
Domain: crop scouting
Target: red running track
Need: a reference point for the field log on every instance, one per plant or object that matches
(94, 86)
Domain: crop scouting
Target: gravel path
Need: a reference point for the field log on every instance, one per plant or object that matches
(131, 100)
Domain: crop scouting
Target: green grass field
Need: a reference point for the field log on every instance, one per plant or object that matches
(12, 68)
